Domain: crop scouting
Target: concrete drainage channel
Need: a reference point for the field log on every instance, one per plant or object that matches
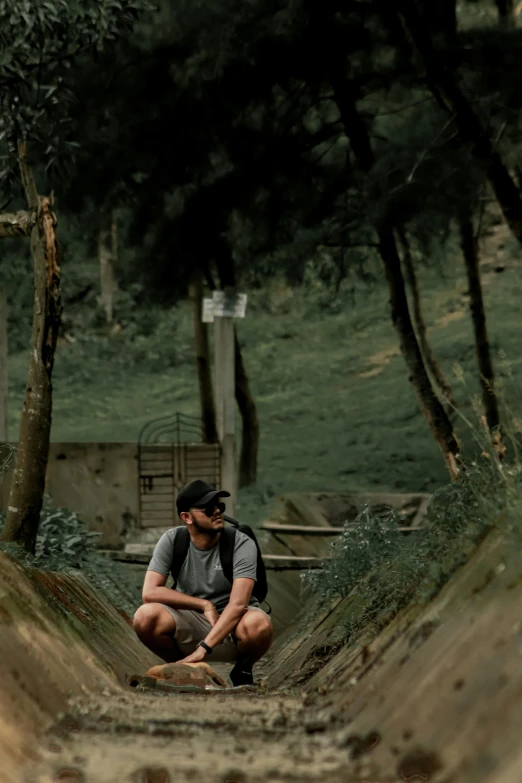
(186, 737)
(435, 696)
(69, 711)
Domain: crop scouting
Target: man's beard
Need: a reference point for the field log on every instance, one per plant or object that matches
(210, 531)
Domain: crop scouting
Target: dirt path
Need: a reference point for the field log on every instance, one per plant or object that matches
(163, 738)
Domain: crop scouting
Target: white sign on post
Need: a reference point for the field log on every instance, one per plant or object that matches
(208, 311)
(229, 305)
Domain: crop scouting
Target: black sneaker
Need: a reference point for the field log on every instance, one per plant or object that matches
(241, 674)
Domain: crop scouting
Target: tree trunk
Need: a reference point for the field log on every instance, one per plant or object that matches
(471, 129)
(429, 357)
(430, 405)
(107, 254)
(206, 394)
(25, 500)
(470, 253)
(3, 367)
(435, 415)
(506, 14)
(247, 408)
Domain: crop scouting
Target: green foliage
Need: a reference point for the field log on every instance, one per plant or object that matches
(38, 43)
(65, 544)
(386, 569)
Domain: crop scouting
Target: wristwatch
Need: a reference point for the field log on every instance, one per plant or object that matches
(205, 647)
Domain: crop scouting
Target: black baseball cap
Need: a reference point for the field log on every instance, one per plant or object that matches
(198, 494)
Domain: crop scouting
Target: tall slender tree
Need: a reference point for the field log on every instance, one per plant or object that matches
(37, 41)
(356, 131)
(422, 332)
(25, 499)
(469, 244)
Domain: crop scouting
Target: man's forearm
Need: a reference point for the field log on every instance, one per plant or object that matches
(170, 597)
(228, 620)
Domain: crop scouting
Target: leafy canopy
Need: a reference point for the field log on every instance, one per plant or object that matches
(39, 41)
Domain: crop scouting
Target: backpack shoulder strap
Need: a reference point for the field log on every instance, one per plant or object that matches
(181, 547)
(227, 543)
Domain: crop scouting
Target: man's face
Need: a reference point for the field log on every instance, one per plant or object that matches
(203, 522)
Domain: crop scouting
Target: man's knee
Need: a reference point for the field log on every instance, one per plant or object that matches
(148, 620)
(253, 626)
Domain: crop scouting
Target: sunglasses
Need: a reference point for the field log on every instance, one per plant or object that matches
(210, 509)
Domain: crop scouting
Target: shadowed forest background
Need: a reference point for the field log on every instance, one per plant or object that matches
(323, 158)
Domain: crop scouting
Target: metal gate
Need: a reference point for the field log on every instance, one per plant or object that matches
(170, 454)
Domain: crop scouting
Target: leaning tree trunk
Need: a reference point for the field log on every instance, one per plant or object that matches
(418, 316)
(206, 394)
(25, 500)
(429, 403)
(506, 14)
(107, 255)
(360, 144)
(487, 380)
(471, 129)
(247, 408)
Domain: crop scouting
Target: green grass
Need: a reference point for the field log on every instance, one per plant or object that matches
(323, 426)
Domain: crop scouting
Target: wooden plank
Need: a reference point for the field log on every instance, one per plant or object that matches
(292, 562)
(126, 557)
(322, 530)
(272, 562)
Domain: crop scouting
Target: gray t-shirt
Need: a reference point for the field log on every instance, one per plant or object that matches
(201, 575)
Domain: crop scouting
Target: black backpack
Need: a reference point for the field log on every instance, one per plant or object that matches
(227, 541)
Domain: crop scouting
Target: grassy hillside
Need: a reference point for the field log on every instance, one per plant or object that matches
(335, 405)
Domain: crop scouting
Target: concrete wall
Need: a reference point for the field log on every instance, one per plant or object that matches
(97, 480)
(60, 640)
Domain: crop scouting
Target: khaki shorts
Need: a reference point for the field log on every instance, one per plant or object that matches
(192, 627)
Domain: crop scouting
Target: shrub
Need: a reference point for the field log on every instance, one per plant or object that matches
(65, 544)
(374, 560)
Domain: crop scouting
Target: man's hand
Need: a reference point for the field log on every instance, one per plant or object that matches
(198, 655)
(211, 613)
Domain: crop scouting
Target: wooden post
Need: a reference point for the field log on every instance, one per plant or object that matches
(224, 352)
(3, 367)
